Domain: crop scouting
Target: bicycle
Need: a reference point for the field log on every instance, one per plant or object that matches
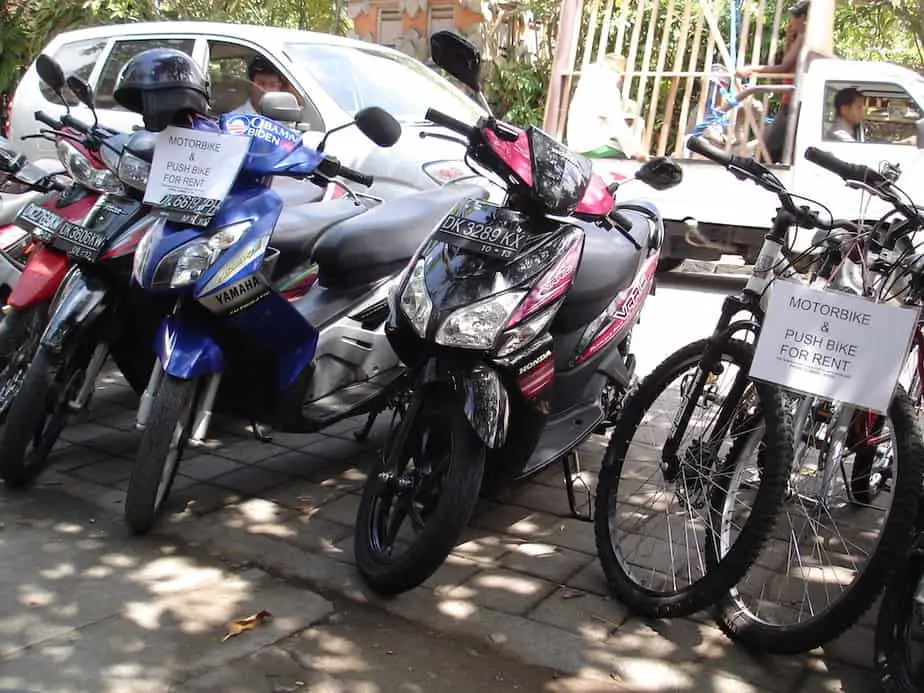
(762, 429)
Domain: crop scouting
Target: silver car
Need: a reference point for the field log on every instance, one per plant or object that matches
(332, 77)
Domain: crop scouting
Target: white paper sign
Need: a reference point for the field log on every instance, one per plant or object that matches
(193, 170)
(833, 345)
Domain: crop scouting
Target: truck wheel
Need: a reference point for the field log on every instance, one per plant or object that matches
(669, 264)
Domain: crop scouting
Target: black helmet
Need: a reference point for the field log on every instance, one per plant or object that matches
(163, 85)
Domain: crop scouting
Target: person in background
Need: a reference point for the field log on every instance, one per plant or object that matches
(598, 118)
(264, 77)
(775, 135)
(848, 126)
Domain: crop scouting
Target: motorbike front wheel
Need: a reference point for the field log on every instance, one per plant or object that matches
(37, 416)
(899, 630)
(430, 474)
(159, 452)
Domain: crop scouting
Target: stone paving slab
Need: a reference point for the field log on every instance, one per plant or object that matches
(524, 577)
(85, 607)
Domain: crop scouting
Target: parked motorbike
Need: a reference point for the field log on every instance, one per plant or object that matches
(21, 182)
(514, 322)
(235, 342)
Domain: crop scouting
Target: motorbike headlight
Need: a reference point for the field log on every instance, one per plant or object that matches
(415, 299)
(185, 265)
(477, 325)
(82, 170)
(11, 186)
(144, 247)
(525, 332)
(133, 171)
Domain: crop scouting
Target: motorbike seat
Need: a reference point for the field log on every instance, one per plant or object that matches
(609, 263)
(300, 225)
(362, 250)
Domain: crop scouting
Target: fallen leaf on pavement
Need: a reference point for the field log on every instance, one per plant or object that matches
(242, 624)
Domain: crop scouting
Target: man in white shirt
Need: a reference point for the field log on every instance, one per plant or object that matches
(849, 105)
(597, 123)
(264, 77)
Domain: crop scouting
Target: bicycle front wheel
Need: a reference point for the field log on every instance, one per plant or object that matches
(658, 533)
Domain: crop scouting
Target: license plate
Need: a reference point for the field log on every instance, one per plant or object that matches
(42, 222)
(484, 233)
(79, 242)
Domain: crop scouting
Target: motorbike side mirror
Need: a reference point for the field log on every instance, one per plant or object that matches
(920, 134)
(378, 125)
(50, 72)
(661, 173)
(458, 57)
(82, 90)
(280, 105)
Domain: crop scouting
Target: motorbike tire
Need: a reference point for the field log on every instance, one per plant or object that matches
(740, 624)
(19, 340)
(168, 427)
(460, 485)
(20, 466)
(726, 571)
(893, 634)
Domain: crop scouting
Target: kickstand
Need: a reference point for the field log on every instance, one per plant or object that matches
(363, 435)
(574, 480)
(262, 432)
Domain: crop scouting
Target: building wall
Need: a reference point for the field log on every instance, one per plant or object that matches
(407, 24)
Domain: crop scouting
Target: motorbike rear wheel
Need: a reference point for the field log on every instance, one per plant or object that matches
(160, 451)
(433, 479)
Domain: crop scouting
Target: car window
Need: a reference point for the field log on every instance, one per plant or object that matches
(231, 85)
(889, 113)
(356, 77)
(77, 58)
(121, 53)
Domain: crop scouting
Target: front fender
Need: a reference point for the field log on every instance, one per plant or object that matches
(484, 399)
(80, 301)
(186, 350)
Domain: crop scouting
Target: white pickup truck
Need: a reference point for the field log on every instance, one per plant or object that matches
(711, 213)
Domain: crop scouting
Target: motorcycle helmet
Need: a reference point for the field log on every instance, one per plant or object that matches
(163, 85)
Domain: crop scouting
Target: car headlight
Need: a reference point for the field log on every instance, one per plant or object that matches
(415, 299)
(443, 172)
(84, 172)
(477, 325)
(133, 171)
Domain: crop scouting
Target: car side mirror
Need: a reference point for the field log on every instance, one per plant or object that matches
(280, 105)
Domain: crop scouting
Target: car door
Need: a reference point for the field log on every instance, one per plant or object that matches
(121, 50)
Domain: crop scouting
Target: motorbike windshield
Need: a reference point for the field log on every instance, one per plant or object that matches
(560, 176)
(457, 276)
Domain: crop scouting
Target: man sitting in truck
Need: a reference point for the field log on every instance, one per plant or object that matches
(775, 136)
(598, 118)
(849, 104)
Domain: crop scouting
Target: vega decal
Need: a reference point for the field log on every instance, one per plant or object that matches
(264, 129)
(234, 264)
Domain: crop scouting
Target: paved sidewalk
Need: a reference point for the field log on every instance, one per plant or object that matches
(525, 579)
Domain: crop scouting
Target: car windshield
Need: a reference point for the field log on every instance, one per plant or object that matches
(356, 78)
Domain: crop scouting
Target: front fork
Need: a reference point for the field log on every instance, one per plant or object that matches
(203, 411)
(710, 366)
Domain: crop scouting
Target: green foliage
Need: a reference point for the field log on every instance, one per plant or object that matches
(517, 88)
(888, 30)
